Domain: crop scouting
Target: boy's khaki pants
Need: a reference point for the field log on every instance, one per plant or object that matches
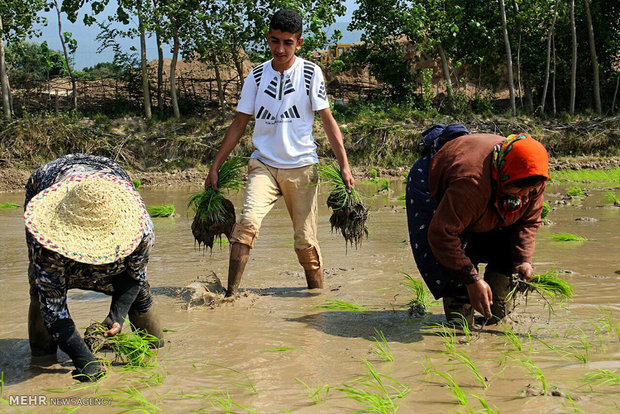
(265, 186)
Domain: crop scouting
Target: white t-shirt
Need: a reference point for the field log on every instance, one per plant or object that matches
(283, 106)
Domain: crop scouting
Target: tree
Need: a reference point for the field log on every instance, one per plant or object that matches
(573, 71)
(67, 42)
(17, 19)
(595, 73)
(548, 61)
(511, 86)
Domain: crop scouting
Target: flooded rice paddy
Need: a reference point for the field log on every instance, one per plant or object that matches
(274, 350)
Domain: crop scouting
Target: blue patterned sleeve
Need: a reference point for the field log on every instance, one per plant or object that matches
(136, 262)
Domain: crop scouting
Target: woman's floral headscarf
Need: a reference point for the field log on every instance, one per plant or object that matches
(519, 156)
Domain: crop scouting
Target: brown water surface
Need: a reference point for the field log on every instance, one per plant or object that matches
(255, 350)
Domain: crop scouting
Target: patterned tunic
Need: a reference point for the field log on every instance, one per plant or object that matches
(51, 274)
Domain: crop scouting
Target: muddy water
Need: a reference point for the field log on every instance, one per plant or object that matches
(254, 351)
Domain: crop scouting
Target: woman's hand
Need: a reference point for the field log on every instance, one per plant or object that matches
(525, 269)
(116, 328)
(347, 177)
(211, 180)
(481, 297)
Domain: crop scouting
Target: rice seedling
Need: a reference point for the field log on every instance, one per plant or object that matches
(575, 192)
(166, 210)
(421, 299)
(573, 405)
(611, 198)
(545, 212)
(569, 351)
(373, 174)
(602, 377)
(136, 183)
(214, 214)
(449, 339)
(2, 399)
(534, 371)
(382, 348)
(466, 360)
(384, 184)
(223, 401)
(279, 349)
(137, 348)
(349, 214)
(513, 339)
(485, 405)
(606, 323)
(457, 391)
(8, 205)
(132, 399)
(549, 286)
(376, 392)
(568, 237)
(339, 305)
(402, 197)
(587, 175)
(318, 394)
(238, 379)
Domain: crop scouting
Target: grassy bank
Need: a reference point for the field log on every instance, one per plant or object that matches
(374, 135)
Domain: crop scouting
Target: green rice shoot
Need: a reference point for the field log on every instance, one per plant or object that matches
(318, 394)
(8, 205)
(341, 197)
(545, 212)
(376, 392)
(568, 237)
(457, 391)
(421, 298)
(533, 369)
(575, 192)
(603, 377)
(341, 306)
(166, 210)
(611, 198)
(402, 197)
(382, 347)
(136, 349)
(279, 349)
(136, 183)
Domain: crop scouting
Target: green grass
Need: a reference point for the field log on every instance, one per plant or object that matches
(8, 205)
(318, 394)
(568, 237)
(375, 392)
(166, 210)
(587, 175)
(2, 399)
(339, 305)
(611, 198)
(382, 347)
(575, 192)
(136, 183)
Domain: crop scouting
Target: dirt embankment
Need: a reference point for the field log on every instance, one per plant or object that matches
(14, 179)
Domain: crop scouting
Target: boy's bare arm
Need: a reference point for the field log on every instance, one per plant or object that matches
(334, 137)
(231, 139)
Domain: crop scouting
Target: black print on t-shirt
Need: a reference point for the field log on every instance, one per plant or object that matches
(264, 114)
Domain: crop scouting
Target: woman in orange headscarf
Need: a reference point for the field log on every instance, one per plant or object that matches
(476, 199)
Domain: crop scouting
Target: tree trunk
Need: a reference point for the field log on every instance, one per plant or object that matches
(521, 81)
(146, 93)
(597, 88)
(549, 37)
(160, 60)
(553, 77)
(446, 76)
(218, 79)
(511, 86)
(4, 79)
(67, 62)
(173, 69)
(529, 100)
(613, 102)
(573, 71)
(239, 66)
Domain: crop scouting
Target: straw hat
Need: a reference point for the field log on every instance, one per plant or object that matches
(93, 218)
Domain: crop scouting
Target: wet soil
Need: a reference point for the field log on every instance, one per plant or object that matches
(256, 349)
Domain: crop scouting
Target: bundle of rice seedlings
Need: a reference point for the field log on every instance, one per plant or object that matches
(568, 237)
(348, 212)
(610, 197)
(9, 205)
(166, 210)
(136, 348)
(136, 183)
(215, 215)
(548, 285)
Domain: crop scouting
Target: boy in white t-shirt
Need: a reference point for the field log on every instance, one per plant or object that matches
(282, 94)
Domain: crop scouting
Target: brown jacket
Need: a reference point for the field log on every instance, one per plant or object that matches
(461, 184)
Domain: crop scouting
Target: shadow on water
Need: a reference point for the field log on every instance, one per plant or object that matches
(16, 364)
(396, 325)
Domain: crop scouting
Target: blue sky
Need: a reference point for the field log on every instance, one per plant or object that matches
(87, 55)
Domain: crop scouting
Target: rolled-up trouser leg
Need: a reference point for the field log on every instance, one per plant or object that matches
(42, 345)
(310, 260)
(501, 285)
(143, 317)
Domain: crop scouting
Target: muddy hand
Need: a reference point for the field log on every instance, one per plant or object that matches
(347, 178)
(211, 180)
(525, 270)
(481, 297)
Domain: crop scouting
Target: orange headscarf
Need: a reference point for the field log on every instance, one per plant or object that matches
(519, 156)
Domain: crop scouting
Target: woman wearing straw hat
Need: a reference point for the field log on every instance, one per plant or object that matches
(475, 199)
(86, 228)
